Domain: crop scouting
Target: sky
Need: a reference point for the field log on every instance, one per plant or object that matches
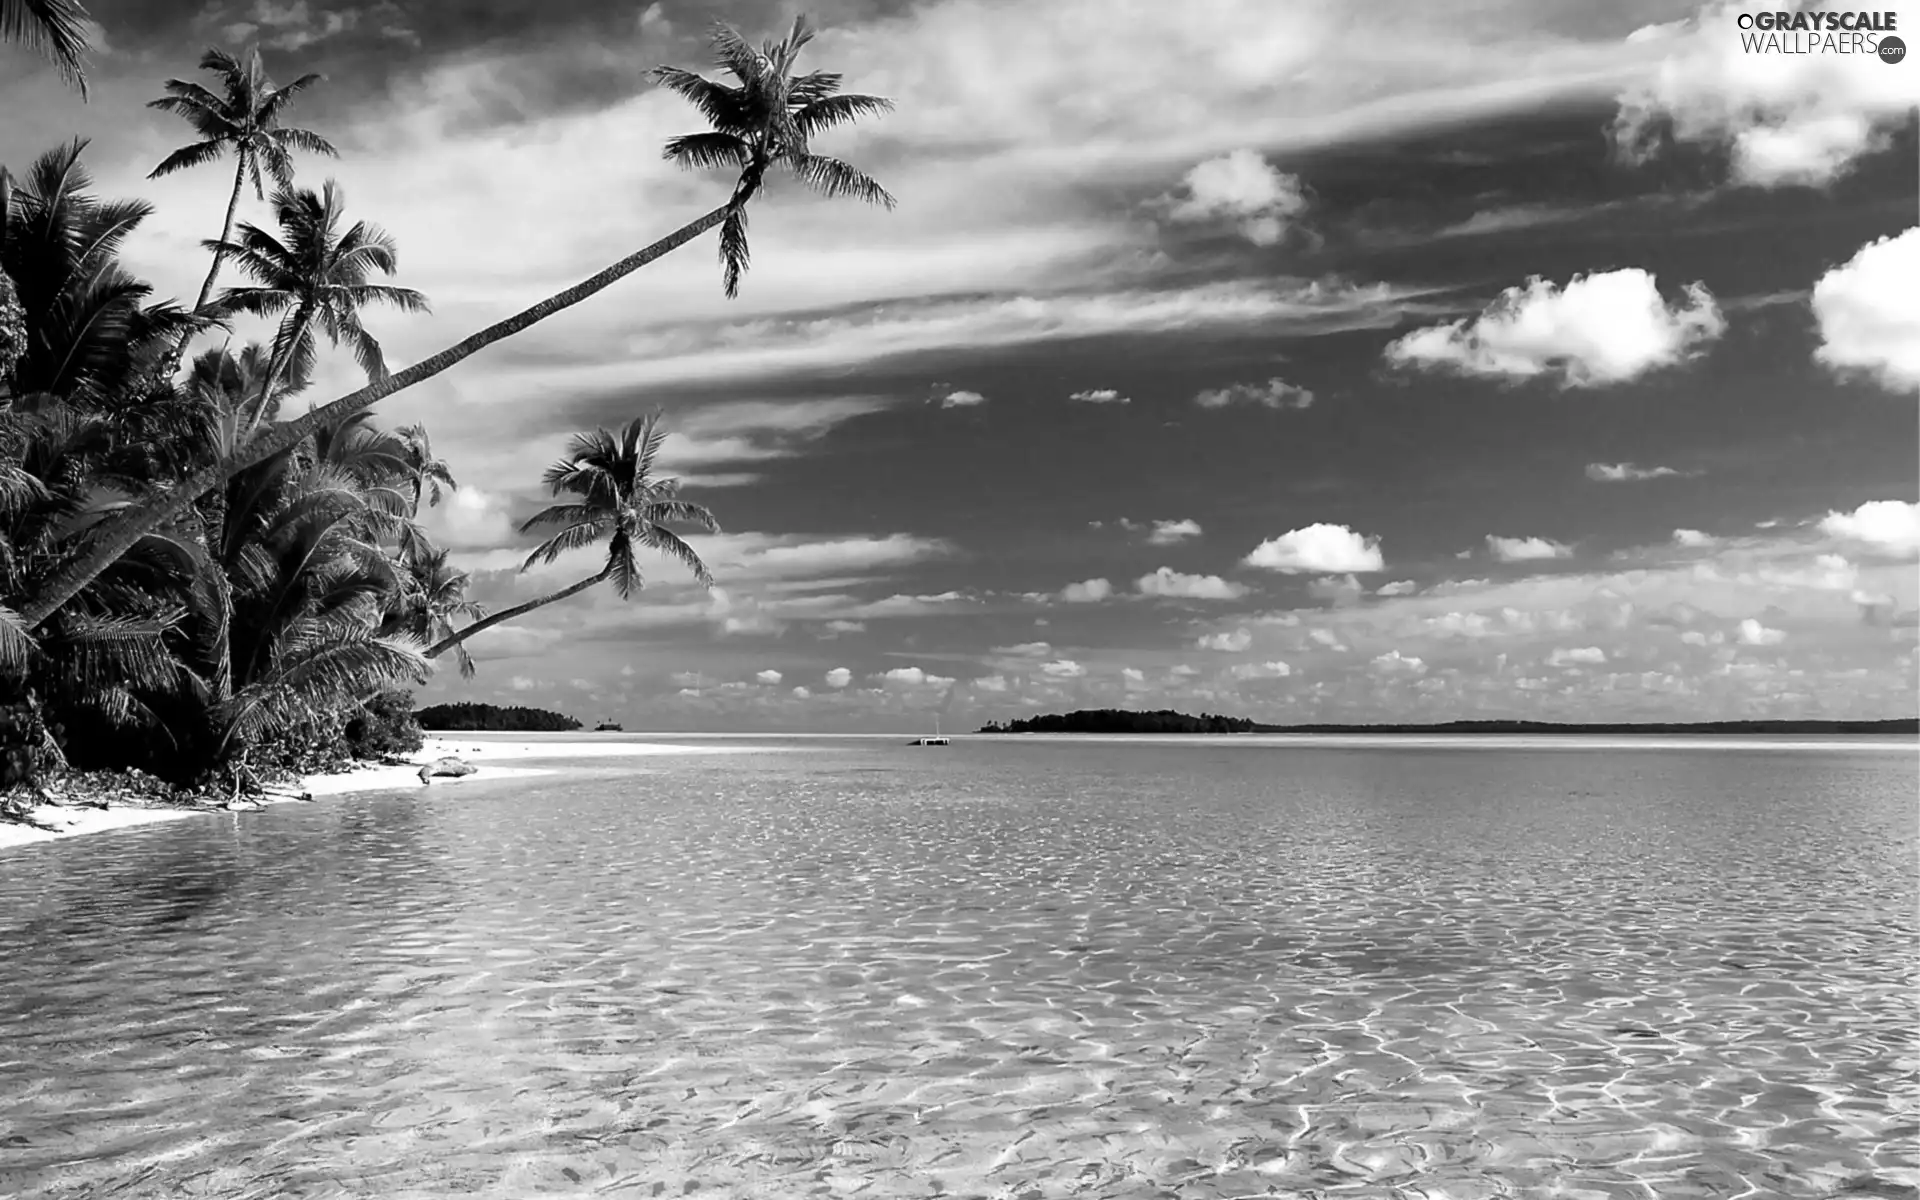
(1537, 359)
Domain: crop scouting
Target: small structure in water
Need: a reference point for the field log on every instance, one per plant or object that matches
(935, 740)
(608, 727)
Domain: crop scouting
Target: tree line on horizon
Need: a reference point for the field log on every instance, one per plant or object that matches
(196, 581)
(470, 716)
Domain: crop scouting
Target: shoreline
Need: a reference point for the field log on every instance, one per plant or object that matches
(483, 751)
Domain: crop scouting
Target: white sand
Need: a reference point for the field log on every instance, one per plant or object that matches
(483, 751)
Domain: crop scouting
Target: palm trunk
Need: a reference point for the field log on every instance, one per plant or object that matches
(518, 610)
(159, 507)
(213, 272)
(302, 317)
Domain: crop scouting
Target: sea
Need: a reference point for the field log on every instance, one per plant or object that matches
(1014, 968)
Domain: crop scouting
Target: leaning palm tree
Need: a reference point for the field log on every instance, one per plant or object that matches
(433, 595)
(244, 120)
(767, 108)
(613, 499)
(316, 276)
(56, 29)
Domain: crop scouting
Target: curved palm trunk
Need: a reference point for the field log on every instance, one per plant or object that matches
(277, 366)
(157, 508)
(213, 273)
(518, 610)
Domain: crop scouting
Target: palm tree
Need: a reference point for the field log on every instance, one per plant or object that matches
(616, 500)
(436, 594)
(316, 276)
(782, 104)
(429, 474)
(245, 121)
(57, 29)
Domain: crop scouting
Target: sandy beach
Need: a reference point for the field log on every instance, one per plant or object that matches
(484, 751)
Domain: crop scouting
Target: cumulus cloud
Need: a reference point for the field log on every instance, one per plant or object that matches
(1261, 670)
(1399, 587)
(1886, 525)
(1603, 328)
(1229, 641)
(1087, 591)
(1324, 548)
(911, 677)
(1100, 396)
(1530, 549)
(1064, 668)
(839, 677)
(1244, 188)
(1868, 316)
(1336, 589)
(1753, 633)
(1395, 663)
(1166, 533)
(991, 683)
(802, 693)
(1628, 473)
(961, 399)
(768, 676)
(1168, 582)
(1026, 650)
(1787, 119)
(1693, 539)
(1576, 656)
(1274, 393)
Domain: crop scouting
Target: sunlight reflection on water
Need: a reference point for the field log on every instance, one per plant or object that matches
(1007, 970)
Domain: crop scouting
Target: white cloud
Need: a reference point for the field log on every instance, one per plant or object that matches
(802, 693)
(1262, 670)
(1603, 328)
(1868, 310)
(1336, 589)
(912, 677)
(962, 399)
(1889, 525)
(1531, 549)
(471, 518)
(1133, 676)
(1399, 587)
(1576, 656)
(1166, 533)
(1230, 642)
(768, 677)
(1274, 393)
(1244, 188)
(839, 677)
(1087, 591)
(1787, 118)
(1395, 663)
(1171, 583)
(1753, 633)
(1025, 650)
(1064, 668)
(1627, 473)
(1329, 549)
(1100, 396)
(1693, 538)
(991, 683)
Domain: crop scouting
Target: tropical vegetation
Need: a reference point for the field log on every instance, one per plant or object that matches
(199, 586)
(467, 715)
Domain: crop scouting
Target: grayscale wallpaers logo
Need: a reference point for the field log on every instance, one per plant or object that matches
(1863, 33)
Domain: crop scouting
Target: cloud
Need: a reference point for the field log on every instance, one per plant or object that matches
(1169, 583)
(1887, 525)
(1692, 538)
(839, 677)
(1100, 396)
(962, 399)
(991, 683)
(1329, 549)
(1274, 393)
(1087, 591)
(1869, 320)
(1393, 662)
(1064, 668)
(471, 518)
(1244, 188)
(1399, 587)
(1577, 656)
(768, 677)
(739, 433)
(1263, 670)
(1336, 589)
(1230, 641)
(1787, 119)
(1167, 533)
(1753, 633)
(1530, 549)
(1603, 328)
(911, 677)
(1628, 473)
(802, 693)
(1025, 650)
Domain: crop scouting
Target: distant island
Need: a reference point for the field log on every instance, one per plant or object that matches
(1116, 720)
(468, 717)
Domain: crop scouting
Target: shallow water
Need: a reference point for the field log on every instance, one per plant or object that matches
(1004, 969)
